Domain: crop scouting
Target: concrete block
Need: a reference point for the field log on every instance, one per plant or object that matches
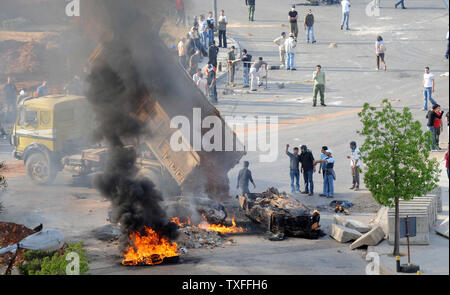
(344, 234)
(442, 229)
(372, 238)
(350, 223)
(422, 228)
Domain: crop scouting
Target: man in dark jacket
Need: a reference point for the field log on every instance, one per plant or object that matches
(251, 9)
(244, 177)
(212, 53)
(308, 169)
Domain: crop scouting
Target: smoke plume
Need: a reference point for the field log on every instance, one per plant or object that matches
(122, 74)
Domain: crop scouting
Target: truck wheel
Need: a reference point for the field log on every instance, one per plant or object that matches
(39, 169)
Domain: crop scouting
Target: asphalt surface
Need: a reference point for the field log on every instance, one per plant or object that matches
(415, 38)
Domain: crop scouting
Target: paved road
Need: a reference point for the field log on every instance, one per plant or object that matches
(415, 38)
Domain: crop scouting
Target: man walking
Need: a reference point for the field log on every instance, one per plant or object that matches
(246, 59)
(319, 86)
(355, 164)
(308, 169)
(293, 25)
(309, 26)
(223, 22)
(231, 57)
(255, 74)
(213, 51)
(294, 169)
(244, 177)
(251, 9)
(211, 78)
(428, 88)
(329, 174)
(434, 121)
(290, 46)
(402, 3)
(345, 14)
(280, 42)
(10, 91)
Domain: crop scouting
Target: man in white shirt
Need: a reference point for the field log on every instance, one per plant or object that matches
(290, 45)
(223, 22)
(428, 88)
(196, 76)
(255, 74)
(280, 42)
(345, 13)
(355, 164)
(203, 31)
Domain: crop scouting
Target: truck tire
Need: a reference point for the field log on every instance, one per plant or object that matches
(39, 169)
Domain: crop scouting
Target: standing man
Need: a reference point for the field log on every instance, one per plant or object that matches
(323, 167)
(182, 52)
(231, 57)
(246, 59)
(433, 116)
(428, 88)
(290, 46)
(329, 174)
(203, 31)
(355, 164)
(345, 14)
(210, 21)
(223, 22)
(293, 26)
(193, 63)
(308, 169)
(42, 90)
(251, 9)
(211, 78)
(212, 53)
(181, 18)
(255, 74)
(402, 3)
(294, 169)
(309, 26)
(10, 91)
(319, 86)
(244, 177)
(280, 42)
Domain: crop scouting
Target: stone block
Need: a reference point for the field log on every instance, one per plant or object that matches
(344, 234)
(352, 224)
(372, 238)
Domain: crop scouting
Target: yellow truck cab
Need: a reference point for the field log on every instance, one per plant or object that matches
(49, 128)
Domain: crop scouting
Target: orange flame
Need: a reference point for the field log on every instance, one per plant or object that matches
(177, 221)
(149, 249)
(221, 228)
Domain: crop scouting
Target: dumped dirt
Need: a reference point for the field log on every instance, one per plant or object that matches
(11, 234)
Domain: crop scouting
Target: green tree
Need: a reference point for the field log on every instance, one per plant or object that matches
(396, 154)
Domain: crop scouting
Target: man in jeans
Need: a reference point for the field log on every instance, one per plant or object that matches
(345, 14)
(309, 26)
(244, 177)
(211, 28)
(433, 116)
(428, 88)
(323, 167)
(246, 59)
(329, 175)
(319, 86)
(308, 169)
(355, 164)
(223, 22)
(203, 31)
(290, 46)
(251, 9)
(294, 168)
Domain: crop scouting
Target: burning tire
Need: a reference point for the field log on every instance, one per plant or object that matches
(39, 169)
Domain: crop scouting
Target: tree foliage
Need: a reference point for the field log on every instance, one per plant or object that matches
(396, 154)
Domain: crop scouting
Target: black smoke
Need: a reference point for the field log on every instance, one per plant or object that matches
(121, 76)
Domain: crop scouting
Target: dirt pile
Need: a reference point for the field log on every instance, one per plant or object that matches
(11, 234)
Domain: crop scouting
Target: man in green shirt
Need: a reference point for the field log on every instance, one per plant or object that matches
(319, 86)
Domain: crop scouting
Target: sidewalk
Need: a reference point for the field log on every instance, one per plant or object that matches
(433, 259)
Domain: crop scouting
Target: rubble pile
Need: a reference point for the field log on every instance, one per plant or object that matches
(192, 237)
